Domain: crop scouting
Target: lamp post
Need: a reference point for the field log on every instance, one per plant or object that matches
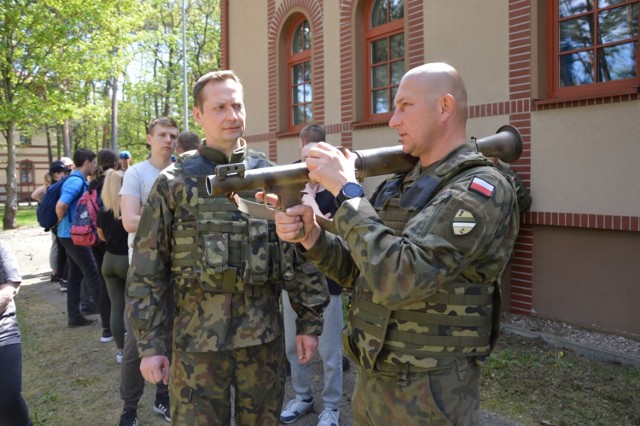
(184, 64)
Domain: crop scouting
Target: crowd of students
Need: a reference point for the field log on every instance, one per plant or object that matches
(94, 277)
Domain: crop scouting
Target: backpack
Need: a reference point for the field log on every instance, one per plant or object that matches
(84, 229)
(46, 211)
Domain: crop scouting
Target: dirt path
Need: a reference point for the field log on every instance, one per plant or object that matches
(69, 377)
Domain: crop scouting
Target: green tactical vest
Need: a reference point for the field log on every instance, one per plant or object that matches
(457, 321)
(217, 245)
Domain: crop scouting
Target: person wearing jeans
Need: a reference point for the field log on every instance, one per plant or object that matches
(81, 262)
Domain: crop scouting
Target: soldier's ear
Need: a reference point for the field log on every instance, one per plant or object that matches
(196, 114)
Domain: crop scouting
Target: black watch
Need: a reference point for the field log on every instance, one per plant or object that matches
(349, 191)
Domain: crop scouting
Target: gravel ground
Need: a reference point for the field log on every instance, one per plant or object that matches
(609, 342)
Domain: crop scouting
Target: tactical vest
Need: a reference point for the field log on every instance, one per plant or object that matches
(455, 322)
(215, 244)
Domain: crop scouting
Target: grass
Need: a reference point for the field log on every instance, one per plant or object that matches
(69, 377)
(533, 384)
(25, 216)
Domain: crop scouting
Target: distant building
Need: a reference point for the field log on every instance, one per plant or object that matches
(32, 163)
(535, 64)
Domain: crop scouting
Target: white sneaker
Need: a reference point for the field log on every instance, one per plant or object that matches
(329, 417)
(119, 356)
(295, 409)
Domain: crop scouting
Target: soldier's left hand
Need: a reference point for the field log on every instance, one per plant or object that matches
(330, 167)
(306, 345)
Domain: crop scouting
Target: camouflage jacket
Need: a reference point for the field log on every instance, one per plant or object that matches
(227, 269)
(463, 234)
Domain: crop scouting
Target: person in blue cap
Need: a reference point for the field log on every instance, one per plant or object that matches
(124, 160)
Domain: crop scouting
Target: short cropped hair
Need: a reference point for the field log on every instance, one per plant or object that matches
(218, 76)
(312, 133)
(163, 121)
(82, 155)
(187, 141)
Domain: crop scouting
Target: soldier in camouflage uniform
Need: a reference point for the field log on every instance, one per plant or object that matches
(424, 256)
(229, 271)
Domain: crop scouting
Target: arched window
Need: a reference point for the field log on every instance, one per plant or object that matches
(384, 38)
(299, 74)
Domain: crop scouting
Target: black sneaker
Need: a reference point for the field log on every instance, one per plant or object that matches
(55, 278)
(81, 322)
(129, 417)
(63, 286)
(106, 336)
(89, 310)
(162, 408)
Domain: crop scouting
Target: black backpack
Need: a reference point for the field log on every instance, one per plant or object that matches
(46, 211)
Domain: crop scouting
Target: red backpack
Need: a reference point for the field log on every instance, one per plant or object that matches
(84, 229)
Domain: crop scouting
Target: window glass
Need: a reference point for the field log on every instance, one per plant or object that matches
(618, 24)
(299, 64)
(618, 62)
(397, 46)
(386, 66)
(378, 13)
(576, 69)
(576, 33)
(379, 51)
(380, 77)
(380, 101)
(597, 42)
(301, 40)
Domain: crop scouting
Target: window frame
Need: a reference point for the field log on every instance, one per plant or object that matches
(607, 88)
(294, 59)
(385, 31)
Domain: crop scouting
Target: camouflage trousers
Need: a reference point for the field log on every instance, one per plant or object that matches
(200, 386)
(443, 396)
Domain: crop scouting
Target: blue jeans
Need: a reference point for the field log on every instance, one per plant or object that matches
(81, 264)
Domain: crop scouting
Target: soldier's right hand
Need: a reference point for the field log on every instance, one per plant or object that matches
(289, 223)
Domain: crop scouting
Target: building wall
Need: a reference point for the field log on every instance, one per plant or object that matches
(37, 153)
(588, 277)
(578, 155)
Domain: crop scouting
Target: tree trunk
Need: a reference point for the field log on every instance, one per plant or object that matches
(114, 115)
(49, 147)
(66, 140)
(11, 202)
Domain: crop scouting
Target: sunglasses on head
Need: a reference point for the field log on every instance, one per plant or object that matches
(125, 156)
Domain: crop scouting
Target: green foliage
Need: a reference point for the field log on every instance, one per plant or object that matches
(153, 82)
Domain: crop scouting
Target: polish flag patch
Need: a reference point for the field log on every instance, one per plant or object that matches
(481, 186)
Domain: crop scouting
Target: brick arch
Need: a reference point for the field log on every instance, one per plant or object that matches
(414, 18)
(312, 9)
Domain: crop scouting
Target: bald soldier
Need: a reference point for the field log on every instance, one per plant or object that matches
(424, 256)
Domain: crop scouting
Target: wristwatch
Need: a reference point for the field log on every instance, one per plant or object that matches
(349, 191)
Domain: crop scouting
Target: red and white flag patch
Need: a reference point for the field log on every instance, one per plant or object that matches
(481, 186)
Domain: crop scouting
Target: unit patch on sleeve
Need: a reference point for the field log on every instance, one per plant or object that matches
(463, 222)
(481, 186)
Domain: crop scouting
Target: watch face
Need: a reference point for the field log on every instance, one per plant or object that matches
(352, 190)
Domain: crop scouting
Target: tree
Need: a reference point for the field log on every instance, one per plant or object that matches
(49, 50)
(152, 85)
